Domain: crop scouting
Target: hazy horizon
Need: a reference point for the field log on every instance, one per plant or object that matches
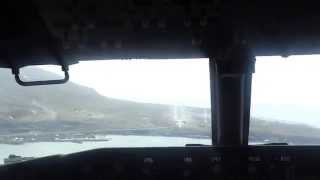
(282, 88)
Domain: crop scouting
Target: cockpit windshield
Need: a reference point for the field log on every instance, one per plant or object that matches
(112, 103)
(286, 100)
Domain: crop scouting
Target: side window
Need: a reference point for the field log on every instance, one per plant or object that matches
(286, 100)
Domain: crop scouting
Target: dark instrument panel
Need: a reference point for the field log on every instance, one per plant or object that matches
(228, 163)
(75, 30)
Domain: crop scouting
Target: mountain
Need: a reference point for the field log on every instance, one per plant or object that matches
(291, 113)
(278, 131)
(74, 108)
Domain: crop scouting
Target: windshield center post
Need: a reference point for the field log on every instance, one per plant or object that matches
(231, 96)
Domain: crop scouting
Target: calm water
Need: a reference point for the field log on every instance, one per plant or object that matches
(50, 148)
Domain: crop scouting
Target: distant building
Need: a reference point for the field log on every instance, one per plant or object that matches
(16, 159)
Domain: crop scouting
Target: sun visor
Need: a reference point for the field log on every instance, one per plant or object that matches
(25, 37)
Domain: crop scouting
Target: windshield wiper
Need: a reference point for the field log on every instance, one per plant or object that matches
(275, 144)
(188, 145)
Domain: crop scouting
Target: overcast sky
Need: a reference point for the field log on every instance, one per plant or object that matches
(292, 80)
(180, 82)
(283, 88)
(287, 89)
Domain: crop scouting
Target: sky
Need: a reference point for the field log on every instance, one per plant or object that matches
(178, 82)
(287, 89)
(282, 89)
(292, 80)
